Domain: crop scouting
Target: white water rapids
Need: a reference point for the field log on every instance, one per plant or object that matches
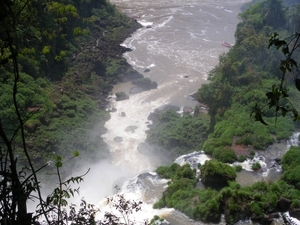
(180, 43)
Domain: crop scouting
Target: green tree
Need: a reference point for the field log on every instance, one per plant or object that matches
(216, 174)
(293, 18)
(274, 15)
(216, 96)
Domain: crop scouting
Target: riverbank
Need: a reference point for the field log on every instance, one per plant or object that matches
(74, 108)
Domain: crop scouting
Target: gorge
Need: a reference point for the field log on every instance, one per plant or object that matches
(80, 94)
(152, 68)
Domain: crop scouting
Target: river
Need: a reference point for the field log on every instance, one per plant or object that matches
(179, 43)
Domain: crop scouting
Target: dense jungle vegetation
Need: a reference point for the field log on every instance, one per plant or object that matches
(68, 57)
(255, 81)
(58, 62)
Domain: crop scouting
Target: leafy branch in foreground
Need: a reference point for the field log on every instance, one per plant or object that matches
(278, 96)
(125, 209)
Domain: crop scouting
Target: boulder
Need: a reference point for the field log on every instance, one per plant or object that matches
(147, 70)
(131, 129)
(135, 90)
(283, 204)
(118, 139)
(188, 110)
(132, 75)
(123, 114)
(193, 96)
(121, 96)
(267, 219)
(145, 84)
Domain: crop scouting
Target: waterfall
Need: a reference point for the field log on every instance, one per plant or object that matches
(294, 140)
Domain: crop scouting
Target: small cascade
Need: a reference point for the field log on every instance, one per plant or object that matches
(294, 140)
(290, 220)
(193, 159)
(149, 186)
(269, 159)
(248, 163)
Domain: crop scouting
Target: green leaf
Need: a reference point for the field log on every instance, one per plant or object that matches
(259, 118)
(58, 164)
(279, 43)
(76, 153)
(48, 200)
(286, 50)
(257, 115)
(293, 62)
(296, 115)
(283, 111)
(282, 68)
(58, 158)
(46, 49)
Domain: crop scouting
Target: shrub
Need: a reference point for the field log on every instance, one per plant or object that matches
(70, 113)
(145, 83)
(255, 208)
(256, 166)
(178, 135)
(215, 173)
(158, 205)
(196, 111)
(291, 159)
(242, 158)
(238, 168)
(246, 139)
(292, 176)
(225, 155)
(42, 82)
(121, 96)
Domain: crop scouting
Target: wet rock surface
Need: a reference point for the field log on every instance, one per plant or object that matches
(118, 139)
(131, 129)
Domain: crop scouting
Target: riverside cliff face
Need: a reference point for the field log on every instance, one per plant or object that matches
(103, 57)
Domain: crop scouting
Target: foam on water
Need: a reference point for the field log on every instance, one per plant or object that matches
(125, 152)
(193, 159)
(145, 23)
(294, 140)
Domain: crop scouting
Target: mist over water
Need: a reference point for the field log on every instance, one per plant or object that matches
(180, 42)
